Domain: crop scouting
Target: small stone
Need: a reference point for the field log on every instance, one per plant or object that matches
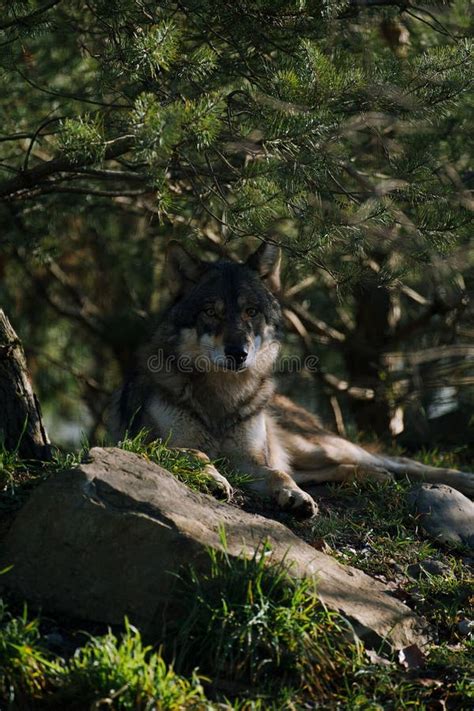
(428, 566)
(411, 657)
(466, 627)
(54, 640)
(375, 658)
(444, 513)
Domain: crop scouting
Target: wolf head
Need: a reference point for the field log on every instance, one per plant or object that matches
(225, 314)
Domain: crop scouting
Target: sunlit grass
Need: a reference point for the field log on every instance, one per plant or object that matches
(124, 674)
(187, 467)
(250, 622)
(25, 667)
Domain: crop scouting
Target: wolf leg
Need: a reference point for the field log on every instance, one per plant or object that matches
(341, 472)
(219, 481)
(416, 471)
(281, 487)
(332, 458)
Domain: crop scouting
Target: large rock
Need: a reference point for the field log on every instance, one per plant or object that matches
(103, 540)
(445, 514)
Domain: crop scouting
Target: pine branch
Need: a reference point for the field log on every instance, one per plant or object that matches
(32, 17)
(73, 97)
(48, 189)
(40, 173)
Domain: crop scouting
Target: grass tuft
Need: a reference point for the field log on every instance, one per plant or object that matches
(184, 465)
(107, 672)
(12, 468)
(125, 674)
(249, 622)
(187, 467)
(24, 665)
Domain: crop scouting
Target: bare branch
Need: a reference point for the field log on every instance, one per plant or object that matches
(47, 189)
(74, 313)
(414, 295)
(299, 327)
(296, 288)
(338, 417)
(317, 324)
(434, 308)
(343, 386)
(73, 97)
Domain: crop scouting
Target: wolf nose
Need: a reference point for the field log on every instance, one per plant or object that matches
(236, 356)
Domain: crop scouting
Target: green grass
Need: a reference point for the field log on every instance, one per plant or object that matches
(368, 522)
(107, 672)
(447, 598)
(259, 639)
(124, 674)
(187, 467)
(250, 623)
(369, 525)
(12, 468)
(24, 665)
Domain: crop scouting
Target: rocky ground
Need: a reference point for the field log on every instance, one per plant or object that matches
(367, 606)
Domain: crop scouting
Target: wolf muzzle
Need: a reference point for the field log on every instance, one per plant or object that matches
(235, 357)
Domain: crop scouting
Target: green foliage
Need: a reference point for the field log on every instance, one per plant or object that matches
(125, 674)
(24, 664)
(81, 140)
(186, 466)
(11, 466)
(446, 596)
(248, 621)
(120, 672)
(157, 47)
(335, 128)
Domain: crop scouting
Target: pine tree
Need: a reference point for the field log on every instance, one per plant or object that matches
(337, 128)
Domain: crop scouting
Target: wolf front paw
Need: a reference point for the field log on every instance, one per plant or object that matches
(297, 502)
(218, 482)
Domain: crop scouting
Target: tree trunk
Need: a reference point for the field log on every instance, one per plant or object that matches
(364, 355)
(21, 426)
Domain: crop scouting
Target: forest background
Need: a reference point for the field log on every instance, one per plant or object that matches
(339, 129)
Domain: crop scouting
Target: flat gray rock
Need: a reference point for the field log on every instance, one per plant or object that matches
(103, 540)
(445, 514)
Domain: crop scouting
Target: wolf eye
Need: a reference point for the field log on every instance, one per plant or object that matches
(210, 311)
(251, 312)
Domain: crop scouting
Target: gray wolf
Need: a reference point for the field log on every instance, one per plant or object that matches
(205, 383)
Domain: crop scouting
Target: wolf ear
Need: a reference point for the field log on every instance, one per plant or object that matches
(182, 269)
(266, 261)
